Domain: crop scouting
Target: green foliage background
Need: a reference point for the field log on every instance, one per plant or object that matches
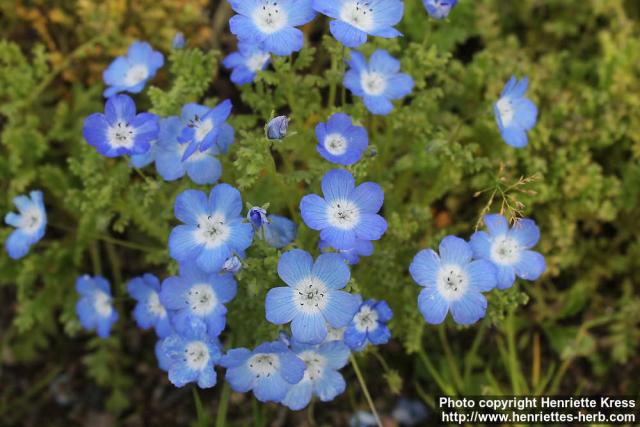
(438, 157)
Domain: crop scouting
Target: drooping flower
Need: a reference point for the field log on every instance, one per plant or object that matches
(30, 224)
(277, 128)
(178, 41)
(270, 370)
(271, 24)
(120, 130)
(509, 249)
(279, 231)
(339, 141)
(321, 376)
(246, 62)
(452, 282)
(346, 213)
(197, 299)
(352, 256)
(233, 264)
(257, 216)
(130, 73)
(149, 311)
(377, 82)
(213, 229)
(369, 325)
(95, 306)
(515, 114)
(439, 9)
(355, 19)
(313, 296)
(202, 126)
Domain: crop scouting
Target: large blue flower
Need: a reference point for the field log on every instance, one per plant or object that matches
(321, 376)
(270, 24)
(347, 213)
(313, 297)
(509, 249)
(213, 229)
(202, 126)
(246, 63)
(279, 231)
(149, 311)
(339, 141)
(377, 82)
(131, 72)
(120, 130)
(270, 370)
(514, 113)
(452, 282)
(95, 306)
(354, 19)
(30, 224)
(197, 299)
(352, 256)
(439, 9)
(369, 325)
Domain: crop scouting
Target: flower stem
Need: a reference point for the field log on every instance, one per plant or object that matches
(365, 390)
(221, 416)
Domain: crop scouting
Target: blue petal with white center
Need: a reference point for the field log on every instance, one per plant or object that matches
(149, 311)
(369, 325)
(202, 126)
(248, 61)
(439, 9)
(339, 141)
(131, 72)
(95, 306)
(515, 114)
(30, 224)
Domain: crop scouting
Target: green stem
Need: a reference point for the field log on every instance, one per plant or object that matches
(434, 373)
(200, 413)
(453, 366)
(471, 355)
(514, 368)
(95, 259)
(365, 390)
(109, 239)
(221, 416)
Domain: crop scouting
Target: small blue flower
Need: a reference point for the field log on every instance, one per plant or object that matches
(196, 299)
(363, 419)
(313, 297)
(30, 224)
(95, 306)
(149, 311)
(355, 19)
(321, 376)
(279, 231)
(178, 41)
(270, 370)
(369, 325)
(352, 256)
(130, 73)
(257, 216)
(277, 128)
(271, 24)
(439, 9)
(514, 113)
(213, 229)
(377, 82)
(246, 63)
(339, 141)
(202, 126)
(409, 412)
(347, 213)
(120, 130)
(452, 282)
(509, 249)
(233, 264)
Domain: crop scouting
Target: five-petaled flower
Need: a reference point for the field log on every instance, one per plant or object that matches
(339, 141)
(30, 223)
(202, 126)
(369, 325)
(130, 73)
(439, 9)
(149, 311)
(515, 114)
(95, 306)
(246, 63)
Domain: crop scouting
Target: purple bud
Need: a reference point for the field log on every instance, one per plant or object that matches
(232, 264)
(277, 127)
(178, 41)
(257, 216)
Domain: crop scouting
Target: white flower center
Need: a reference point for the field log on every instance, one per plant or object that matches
(358, 14)
(315, 365)
(121, 134)
(335, 144)
(334, 334)
(212, 230)
(269, 17)
(373, 83)
(366, 320)
(154, 305)
(196, 355)
(452, 282)
(204, 128)
(31, 220)
(505, 108)
(102, 304)
(201, 299)
(264, 364)
(505, 250)
(136, 74)
(310, 295)
(256, 61)
(343, 214)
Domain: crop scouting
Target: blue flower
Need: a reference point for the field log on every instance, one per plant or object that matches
(452, 282)
(130, 73)
(246, 63)
(347, 213)
(313, 297)
(178, 41)
(270, 370)
(341, 142)
(354, 19)
(509, 249)
(277, 127)
(149, 311)
(257, 216)
(439, 9)
(270, 24)
(95, 306)
(142, 160)
(514, 113)
(164, 361)
(377, 82)
(363, 419)
(213, 229)
(197, 299)
(321, 376)
(233, 264)
(279, 231)
(202, 126)
(409, 412)
(369, 325)
(352, 256)
(30, 224)
(120, 130)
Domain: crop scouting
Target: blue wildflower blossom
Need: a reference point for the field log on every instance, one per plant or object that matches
(164, 362)
(321, 376)
(202, 126)
(363, 419)
(352, 256)
(369, 325)
(409, 412)
(246, 63)
(213, 229)
(149, 311)
(377, 82)
(257, 216)
(339, 141)
(95, 306)
(198, 298)
(279, 231)
(30, 223)
(270, 370)
(142, 160)
(355, 19)
(452, 282)
(439, 9)
(130, 73)
(347, 213)
(178, 41)
(514, 113)
(313, 297)
(277, 128)
(271, 24)
(233, 264)
(509, 249)
(120, 130)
